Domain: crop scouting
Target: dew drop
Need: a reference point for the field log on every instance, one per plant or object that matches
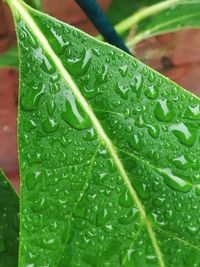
(174, 181)
(122, 91)
(123, 70)
(193, 112)
(125, 200)
(90, 135)
(74, 115)
(151, 92)
(135, 142)
(164, 111)
(102, 217)
(181, 162)
(137, 85)
(154, 131)
(50, 125)
(129, 217)
(29, 101)
(185, 134)
(77, 66)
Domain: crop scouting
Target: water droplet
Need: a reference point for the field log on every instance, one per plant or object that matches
(193, 112)
(185, 134)
(90, 135)
(125, 199)
(77, 66)
(74, 114)
(102, 217)
(123, 70)
(129, 217)
(181, 162)
(45, 62)
(49, 243)
(135, 142)
(50, 125)
(62, 44)
(30, 100)
(151, 92)
(175, 182)
(137, 85)
(164, 111)
(154, 131)
(122, 90)
(39, 204)
(151, 76)
(142, 189)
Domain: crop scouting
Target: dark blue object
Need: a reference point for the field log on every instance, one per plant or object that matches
(101, 23)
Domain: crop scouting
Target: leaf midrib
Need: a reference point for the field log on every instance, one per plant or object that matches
(22, 9)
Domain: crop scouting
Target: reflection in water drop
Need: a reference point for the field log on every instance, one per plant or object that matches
(175, 182)
(74, 114)
(185, 134)
(164, 111)
(77, 66)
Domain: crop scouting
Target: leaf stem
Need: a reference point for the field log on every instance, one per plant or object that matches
(141, 15)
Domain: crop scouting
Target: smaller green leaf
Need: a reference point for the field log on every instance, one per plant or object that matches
(10, 58)
(9, 223)
(35, 4)
(179, 14)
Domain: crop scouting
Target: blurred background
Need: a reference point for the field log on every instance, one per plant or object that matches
(176, 55)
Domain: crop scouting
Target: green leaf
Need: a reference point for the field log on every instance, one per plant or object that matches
(178, 15)
(10, 58)
(109, 154)
(9, 223)
(127, 8)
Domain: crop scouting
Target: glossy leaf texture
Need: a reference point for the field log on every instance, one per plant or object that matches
(109, 154)
(9, 223)
(10, 58)
(182, 14)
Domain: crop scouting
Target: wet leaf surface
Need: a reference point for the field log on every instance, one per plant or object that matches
(9, 223)
(109, 154)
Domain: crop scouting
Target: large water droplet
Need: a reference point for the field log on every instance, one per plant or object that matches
(30, 100)
(164, 111)
(62, 44)
(175, 182)
(77, 66)
(181, 162)
(45, 63)
(151, 92)
(122, 90)
(185, 134)
(154, 131)
(74, 114)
